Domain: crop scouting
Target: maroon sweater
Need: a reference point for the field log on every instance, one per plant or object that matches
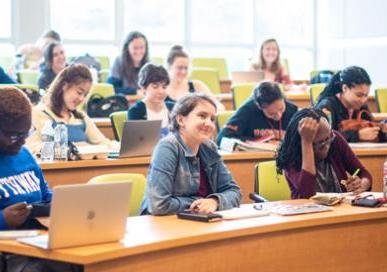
(303, 184)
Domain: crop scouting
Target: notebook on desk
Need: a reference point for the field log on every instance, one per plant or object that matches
(85, 214)
(139, 138)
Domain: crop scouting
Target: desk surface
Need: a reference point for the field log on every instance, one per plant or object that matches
(167, 243)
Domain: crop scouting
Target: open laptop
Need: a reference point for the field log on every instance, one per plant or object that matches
(139, 138)
(85, 214)
(247, 77)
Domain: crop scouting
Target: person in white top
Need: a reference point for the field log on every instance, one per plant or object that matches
(153, 81)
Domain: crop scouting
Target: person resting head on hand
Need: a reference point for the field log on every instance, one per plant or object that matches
(316, 158)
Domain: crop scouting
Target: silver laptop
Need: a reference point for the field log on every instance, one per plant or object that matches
(84, 214)
(247, 77)
(139, 138)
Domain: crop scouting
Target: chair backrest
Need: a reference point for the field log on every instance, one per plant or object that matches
(6, 62)
(103, 89)
(138, 187)
(242, 92)
(118, 120)
(222, 118)
(269, 184)
(104, 61)
(157, 60)
(28, 77)
(314, 92)
(103, 75)
(208, 76)
(219, 64)
(381, 99)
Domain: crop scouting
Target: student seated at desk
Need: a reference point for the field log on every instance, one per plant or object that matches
(265, 115)
(186, 171)
(153, 81)
(22, 180)
(344, 97)
(178, 67)
(316, 158)
(124, 72)
(66, 93)
(54, 62)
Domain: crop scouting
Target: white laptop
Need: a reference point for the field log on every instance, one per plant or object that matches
(85, 214)
(139, 138)
(247, 76)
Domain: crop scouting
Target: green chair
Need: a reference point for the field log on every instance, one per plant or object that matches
(242, 92)
(269, 184)
(208, 76)
(381, 99)
(6, 62)
(138, 187)
(104, 61)
(32, 87)
(157, 60)
(28, 77)
(103, 89)
(118, 120)
(222, 118)
(314, 92)
(219, 64)
(103, 75)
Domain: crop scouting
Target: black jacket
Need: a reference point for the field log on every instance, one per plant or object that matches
(250, 123)
(138, 110)
(340, 113)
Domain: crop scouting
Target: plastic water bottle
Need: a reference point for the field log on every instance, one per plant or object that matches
(61, 142)
(47, 151)
(385, 179)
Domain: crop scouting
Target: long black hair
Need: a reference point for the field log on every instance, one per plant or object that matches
(350, 76)
(127, 61)
(289, 153)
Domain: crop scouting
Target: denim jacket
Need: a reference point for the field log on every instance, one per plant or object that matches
(174, 177)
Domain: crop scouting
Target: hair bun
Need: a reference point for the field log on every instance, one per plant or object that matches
(177, 48)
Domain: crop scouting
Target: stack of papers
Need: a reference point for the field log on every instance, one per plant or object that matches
(329, 199)
(245, 211)
(14, 234)
(230, 145)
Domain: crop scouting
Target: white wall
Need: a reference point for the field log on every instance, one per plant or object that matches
(353, 32)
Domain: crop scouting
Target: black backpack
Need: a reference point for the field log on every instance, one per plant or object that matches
(99, 106)
(323, 76)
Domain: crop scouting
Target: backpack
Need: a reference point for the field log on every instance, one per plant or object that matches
(99, 106)
(87, 60)
(323, 76)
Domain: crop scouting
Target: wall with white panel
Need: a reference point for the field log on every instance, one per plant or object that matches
(353, 32)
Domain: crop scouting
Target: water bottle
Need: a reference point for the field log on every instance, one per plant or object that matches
(61, 142)
(385, 179)
(47, 151)
(19, 65)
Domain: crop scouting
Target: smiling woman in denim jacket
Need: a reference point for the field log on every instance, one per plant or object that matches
(186, 171)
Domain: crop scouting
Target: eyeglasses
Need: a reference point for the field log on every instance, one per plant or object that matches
(15, 136)
(328, 142)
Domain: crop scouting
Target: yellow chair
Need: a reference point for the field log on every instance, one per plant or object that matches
(219, 64)
(138, 187)
(222, 118)
(208, 76)
(104, 61)
(28, 77)
(157, 60)
(242, 92)
(381, 99)
(314, 92)
(269, 184)
(103, 75)
(118, 120)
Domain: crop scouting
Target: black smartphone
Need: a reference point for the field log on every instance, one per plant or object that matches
(189, 215)
(40, 209)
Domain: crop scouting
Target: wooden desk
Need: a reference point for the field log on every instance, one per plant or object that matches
(105, 126)
(225, 85)
(241, 165)
(226, 100)
(345, 239)
(380, 116)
